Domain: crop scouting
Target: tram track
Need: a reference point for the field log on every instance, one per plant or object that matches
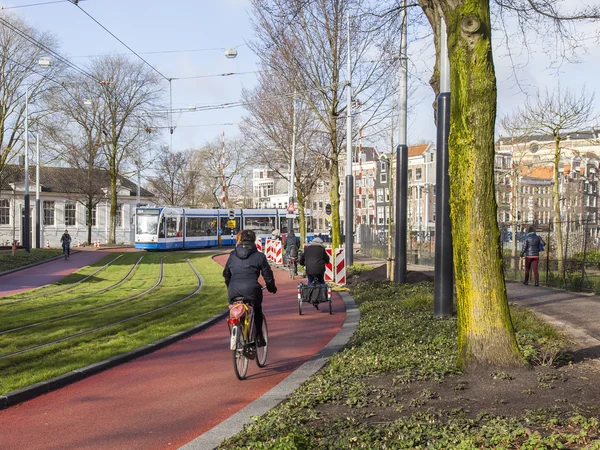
(59, 289)
(93, 330)
(92, 294)
(118, 302)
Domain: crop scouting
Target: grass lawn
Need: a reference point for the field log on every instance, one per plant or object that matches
(48, 307)
(22, 258)
(397, 386)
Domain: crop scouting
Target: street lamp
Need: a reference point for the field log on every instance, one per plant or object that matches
(42, 62)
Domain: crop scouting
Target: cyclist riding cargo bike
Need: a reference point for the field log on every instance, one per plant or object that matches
(244, 266)
(316, 291)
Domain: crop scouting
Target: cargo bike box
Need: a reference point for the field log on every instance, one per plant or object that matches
(314, 294)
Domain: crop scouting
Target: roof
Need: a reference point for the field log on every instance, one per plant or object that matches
(417, 150)
(369, 152)
(538, 172)
(67, 180)
(566, 135)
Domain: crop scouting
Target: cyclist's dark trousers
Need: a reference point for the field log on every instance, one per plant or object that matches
(316, 279)
(258, 315)
(67, 249)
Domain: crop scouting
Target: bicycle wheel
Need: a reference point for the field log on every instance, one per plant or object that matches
(330, 309)
(261, 352)
(291, 269)
(240, 362)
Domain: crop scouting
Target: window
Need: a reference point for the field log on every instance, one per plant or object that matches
(320, 223)
(410, 174)
(119, 215)
(387, 195)
(200, 226)
(4, 212)
(314, 206)
(94, 215)
(380, 215)
(379, 195)
(320, 187)
(383, 177)
(418, 173)
(70, 214)
(48, 213)
(320, 205)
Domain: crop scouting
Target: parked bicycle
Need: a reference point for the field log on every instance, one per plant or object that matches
(242, 340)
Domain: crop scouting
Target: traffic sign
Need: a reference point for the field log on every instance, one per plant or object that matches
(290, 216)
(231, 224)
(291, 209)
(231, 215)
(328, 218)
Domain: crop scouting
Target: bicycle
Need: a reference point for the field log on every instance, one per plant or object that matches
(242, 342)
(293, 266)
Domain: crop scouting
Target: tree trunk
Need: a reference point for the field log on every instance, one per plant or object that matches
(486, 335)
(334, 198)
(301, 217)
(557, 219)
(113, 200)
(89, 208)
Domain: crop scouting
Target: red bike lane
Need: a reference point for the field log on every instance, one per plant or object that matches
(168, 398)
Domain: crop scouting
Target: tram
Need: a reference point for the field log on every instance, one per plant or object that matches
(169, 228)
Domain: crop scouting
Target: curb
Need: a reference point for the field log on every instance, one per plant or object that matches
(33, 264)
(234, 424)
(35, 390)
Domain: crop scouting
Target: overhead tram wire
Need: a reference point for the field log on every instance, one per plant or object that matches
(2, 8)
(51, 52)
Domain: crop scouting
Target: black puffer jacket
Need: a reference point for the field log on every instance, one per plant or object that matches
(244, 266)
(531, 245)
(314, 259)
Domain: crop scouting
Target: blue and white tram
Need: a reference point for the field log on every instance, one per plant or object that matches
(166, 228)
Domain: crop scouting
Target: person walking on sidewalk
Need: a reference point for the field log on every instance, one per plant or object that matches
(532, 246)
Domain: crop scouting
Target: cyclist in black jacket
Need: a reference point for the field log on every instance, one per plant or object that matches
(244, 266)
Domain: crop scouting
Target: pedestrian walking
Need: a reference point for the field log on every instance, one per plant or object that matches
(532, 246)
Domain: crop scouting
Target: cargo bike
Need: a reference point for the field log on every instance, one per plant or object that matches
(314, 294)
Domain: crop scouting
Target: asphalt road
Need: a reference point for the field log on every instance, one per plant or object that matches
(170, 397)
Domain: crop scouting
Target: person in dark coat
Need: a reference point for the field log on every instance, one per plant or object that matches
(314, 259)
(291, 245)
(532, 245)
(244, 266)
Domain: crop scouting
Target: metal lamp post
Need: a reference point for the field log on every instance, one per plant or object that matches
(349, 178)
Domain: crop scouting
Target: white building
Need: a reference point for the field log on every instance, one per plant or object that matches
(63, 205)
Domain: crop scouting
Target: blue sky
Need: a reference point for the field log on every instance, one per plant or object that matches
(151, 25)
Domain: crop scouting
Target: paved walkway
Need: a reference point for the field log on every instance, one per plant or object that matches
(170, 397)
(49, 272)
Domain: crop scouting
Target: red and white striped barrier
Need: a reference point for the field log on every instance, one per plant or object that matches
(329, 266)
(269, 249)
(259, 244)
(47, 244)
(278, 253)
(340, 266)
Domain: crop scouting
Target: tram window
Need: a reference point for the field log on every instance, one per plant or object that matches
(200, 226)
(260, 225)
(171, 227)
(226, 229)
(161, 229)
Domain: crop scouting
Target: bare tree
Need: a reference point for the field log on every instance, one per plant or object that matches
(127, 92)
(173, 182)
(276, 120)
(19, 72)
(306, 44)
(73, 135)
(557, 114)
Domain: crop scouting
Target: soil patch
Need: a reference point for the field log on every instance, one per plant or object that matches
(379, 273)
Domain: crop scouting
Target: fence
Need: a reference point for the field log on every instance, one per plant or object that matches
(577, 269)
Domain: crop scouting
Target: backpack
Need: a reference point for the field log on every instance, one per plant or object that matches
(293, 252)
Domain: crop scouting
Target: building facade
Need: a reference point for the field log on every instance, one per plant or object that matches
(63, 206)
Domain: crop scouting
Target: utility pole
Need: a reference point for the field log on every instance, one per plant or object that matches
(26, 228)
(402, 161)
(37, 193)
(444, 266)
(349, 178)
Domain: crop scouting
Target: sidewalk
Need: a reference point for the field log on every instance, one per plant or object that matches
(48, 272)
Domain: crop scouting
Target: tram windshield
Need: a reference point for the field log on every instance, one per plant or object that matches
(147, 221)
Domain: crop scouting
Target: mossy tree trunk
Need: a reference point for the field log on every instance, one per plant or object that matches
(301, 216)
(557, 219)
(486, 334)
